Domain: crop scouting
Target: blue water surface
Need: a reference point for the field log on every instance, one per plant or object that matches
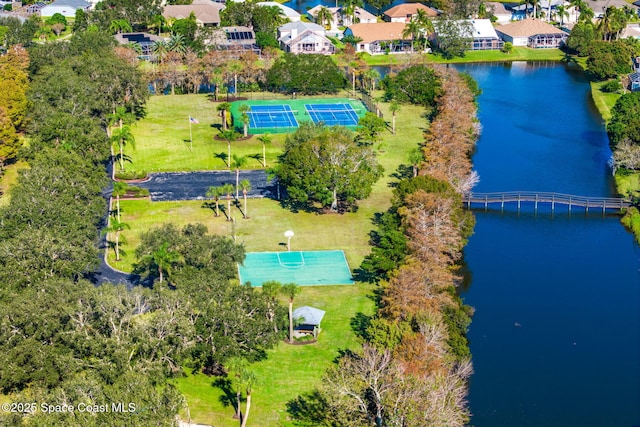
(556, 333)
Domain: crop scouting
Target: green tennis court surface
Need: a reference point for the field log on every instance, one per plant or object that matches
(306, 268)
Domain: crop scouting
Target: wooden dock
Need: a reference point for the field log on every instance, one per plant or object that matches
(519, 197)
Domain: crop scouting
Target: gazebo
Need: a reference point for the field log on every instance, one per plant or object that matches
(308, 320)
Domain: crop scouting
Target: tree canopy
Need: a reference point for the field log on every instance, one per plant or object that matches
(306, 74)
(417, 84)
(324, 165)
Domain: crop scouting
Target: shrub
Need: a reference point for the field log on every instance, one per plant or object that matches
(611, 86)
(507, 47)
(128, 175)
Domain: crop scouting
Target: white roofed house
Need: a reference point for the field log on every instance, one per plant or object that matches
(304, 37)
(484, 36)
(532, 33)
(340, 18)
(380, 38)
(287, 12)
(66, 8)
(498, 10)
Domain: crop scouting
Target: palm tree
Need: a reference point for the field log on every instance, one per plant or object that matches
(119, 189)
(415, 158)
(177, 43)
(291, 290)
(238, 162)
(229, 136)
(244, 109)
(159, 49)
(223, 107)
(248, 380)
(120, 26)
(394, 108)
(158, 21)
(228, 190)
(324, 17)
(116, 227)
(412, 29)
(123, 137)
(164, 259)
(371, 76)
(237, 365)
(215, 193)
(562, 11)
(245, 186)
(349, 8)
(120, 117)
(265, 139)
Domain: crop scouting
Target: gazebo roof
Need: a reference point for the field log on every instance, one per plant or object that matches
(311, 316)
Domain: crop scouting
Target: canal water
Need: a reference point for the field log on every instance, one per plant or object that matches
(555, 337)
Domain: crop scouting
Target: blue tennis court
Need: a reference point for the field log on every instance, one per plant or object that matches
(333, 114)
(307, 268)
(272, 116)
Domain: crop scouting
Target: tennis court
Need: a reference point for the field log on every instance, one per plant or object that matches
(333, 114)
(306, 268)
(285, 115)
(276, 116)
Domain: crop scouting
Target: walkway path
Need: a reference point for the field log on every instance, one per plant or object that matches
(174, 186)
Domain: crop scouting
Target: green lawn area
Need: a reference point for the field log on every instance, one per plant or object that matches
(289, 370)
(162, 141)
(604, 101)
(8, 179)
(268, 220)
(628, 183)
(518, 54)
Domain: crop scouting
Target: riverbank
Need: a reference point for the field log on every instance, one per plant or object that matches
(627, 183)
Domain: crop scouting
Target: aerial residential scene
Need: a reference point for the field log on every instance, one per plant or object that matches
(320, 213)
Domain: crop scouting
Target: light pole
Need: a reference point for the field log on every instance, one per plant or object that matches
(288, 234)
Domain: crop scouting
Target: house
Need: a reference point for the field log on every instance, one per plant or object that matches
(307, 320)
(144, 40)
(381, 37)
(66, 8)
(241, 38)
(289, 13)
(406, 11)
(631, 30)
(340, 18)
(304, 37)
(498, 10)
(533, 33)
(484, 35)
(207, 15)
(634, 80)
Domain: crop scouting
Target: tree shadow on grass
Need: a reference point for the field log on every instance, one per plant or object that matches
(228, 398)
(359, 324)
(403, 172)
(222, 156)
(309, 409)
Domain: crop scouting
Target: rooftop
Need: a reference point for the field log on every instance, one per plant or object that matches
(205, 13)
(288, 12)
(378, 31)
(528, 27)
(404, 9)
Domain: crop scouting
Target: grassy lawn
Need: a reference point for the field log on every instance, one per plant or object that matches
(289, 370)
(162, 138)
(268, 219)
(518, 54)
(604, 101)
(628, 183)
(8, 179)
